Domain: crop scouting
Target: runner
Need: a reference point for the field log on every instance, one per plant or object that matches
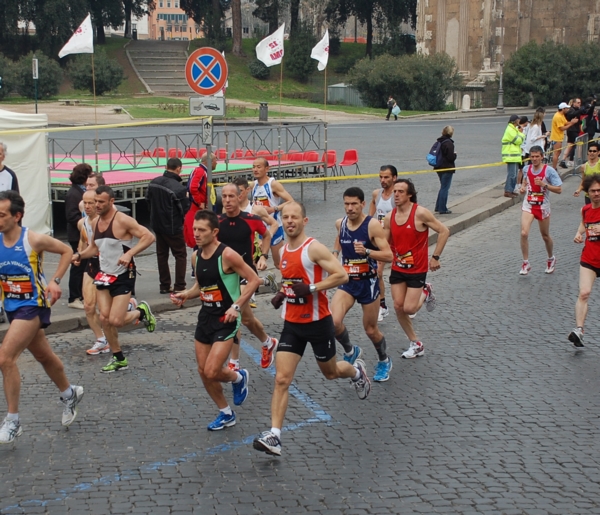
(236, 230)
(112, 241)
(381, 204)
(589, 267)
(308, 270)
(538, 181)
(218, 273)
(407, 228)
(592, 166)
(269, 193)
(27, 301)
(361, 240)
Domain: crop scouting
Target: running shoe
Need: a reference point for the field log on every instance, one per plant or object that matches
(149, 318)
(382, 370)
(10, 430)
(271, 282)
(233, 366)
(383, 312)
(132, 304)
(240, 390)
(267, 442)
(356, 353)
(222, 421)
(268, 353)
(551, 265)
(525, 268)
(415, 350)
(114, 365)
(429, 297)
(70, 411)
(252, 301)
(576, 337)
(362, 384)
(100, 347)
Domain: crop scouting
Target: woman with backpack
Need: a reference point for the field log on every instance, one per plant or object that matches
(445, 162)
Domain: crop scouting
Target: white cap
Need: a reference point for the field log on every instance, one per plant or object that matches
(563, 105)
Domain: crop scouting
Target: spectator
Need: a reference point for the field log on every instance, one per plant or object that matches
(524, 125)
(196, 188)
(73, 214)
(168, 202)
(445, 177)
(511, 154)
(391, 103)
(575, 114)
(559, 126)
(590, 120)
(535, 134)
(8, 178)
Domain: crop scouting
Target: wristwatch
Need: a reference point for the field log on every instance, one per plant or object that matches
(368, 252)
(236, 307)
(56, 280)
(312, 288)
(437, 258)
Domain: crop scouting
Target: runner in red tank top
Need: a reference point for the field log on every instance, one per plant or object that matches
(590, 256)
(308, 270)
(407, 229)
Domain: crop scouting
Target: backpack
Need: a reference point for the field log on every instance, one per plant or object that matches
(434, 158)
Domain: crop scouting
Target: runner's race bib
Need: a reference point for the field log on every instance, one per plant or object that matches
(104, 279)
(405, 260)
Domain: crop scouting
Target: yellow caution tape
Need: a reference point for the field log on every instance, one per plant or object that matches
(213, 194)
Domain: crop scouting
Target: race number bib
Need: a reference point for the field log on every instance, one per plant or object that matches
(104, 279)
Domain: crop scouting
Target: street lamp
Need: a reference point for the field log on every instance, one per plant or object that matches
(500, 106)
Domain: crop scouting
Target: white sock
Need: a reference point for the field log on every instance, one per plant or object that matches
(526, 261)
(12, 416)
(101, 339)
(67, 394)
(238, 378)
(276, 431)
(267, 342)
(226, 410)
(357, 376)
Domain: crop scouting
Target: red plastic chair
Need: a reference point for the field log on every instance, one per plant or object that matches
(249, 153)
(146, 153)
(159, 152)
(310, 155)
(191, 153)
(330, 159)
(175, 152)
(295, 156)
(201, 152)
(350, 158)
(237, 153)
(221, 153)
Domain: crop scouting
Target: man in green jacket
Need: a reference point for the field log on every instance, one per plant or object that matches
(511, 154)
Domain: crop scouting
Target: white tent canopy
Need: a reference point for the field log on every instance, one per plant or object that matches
(27, 156)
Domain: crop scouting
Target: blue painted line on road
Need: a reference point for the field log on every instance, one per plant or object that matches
(320, 415)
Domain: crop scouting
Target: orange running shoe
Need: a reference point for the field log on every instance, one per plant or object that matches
(268, 354)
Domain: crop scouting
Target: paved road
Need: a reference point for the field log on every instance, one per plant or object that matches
(498, 417)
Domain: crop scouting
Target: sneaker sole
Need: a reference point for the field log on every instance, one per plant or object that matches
(19, 433)
(115, 370)
(575, 340)
(272, 357)
(259, 446)
(228, 424)
(96, 353)
(387, 377)
(74, 413)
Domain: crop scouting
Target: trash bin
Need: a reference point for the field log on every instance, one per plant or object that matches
(134, 34)
(263, 112)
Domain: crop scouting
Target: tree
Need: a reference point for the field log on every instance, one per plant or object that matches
(268, 11)
(108, 72)
(7, 76)
(298, 61)
(106, 13)
(236, 27)
(50, 76)
(137, 8)
(208, 14)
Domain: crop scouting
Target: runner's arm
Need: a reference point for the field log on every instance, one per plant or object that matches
(337, 247)
(580, 230)
(377, 235)
(139, 231)
(372, 206)
(386, 227)
(190, 293)
(90, 251)
(319, 253)
(43, 243)
(82, 236)
(261, 212)
(282, 193)
(233, 261)
(426, 217)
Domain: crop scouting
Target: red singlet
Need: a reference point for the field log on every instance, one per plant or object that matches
(591, 222)
(297, 267)
(410, 246)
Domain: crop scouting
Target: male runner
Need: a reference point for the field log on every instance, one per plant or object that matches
(362, 241)
(255, 209)
(538, 181)
(589, 267)
(382, 202)
(27, 301)
(407, 228)
(236, 230)
(592, 166)
(112, 242)
(308, 270)
(269, 193)
(218, 273)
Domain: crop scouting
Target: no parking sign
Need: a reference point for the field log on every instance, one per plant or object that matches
(206, 71)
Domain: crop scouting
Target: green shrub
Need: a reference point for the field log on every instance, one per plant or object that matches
(258, 70)
(49, 73)
(344, 64)
(8, 76)
(417, 82)
(299, 64)
(108, 72)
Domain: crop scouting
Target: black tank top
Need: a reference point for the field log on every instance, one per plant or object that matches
(218, 290)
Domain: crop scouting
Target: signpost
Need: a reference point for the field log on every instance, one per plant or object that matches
(34, 69)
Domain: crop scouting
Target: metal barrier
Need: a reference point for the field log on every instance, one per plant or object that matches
(580, 157)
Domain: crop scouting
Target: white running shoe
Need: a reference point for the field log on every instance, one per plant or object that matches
(100, 347)
(270, 281)
(10, 430)
(132, 304)
(70, 411)
(383, 312)
(576, 337)
(430, 302)
(525, 268)
(415, 350)
(551, 265)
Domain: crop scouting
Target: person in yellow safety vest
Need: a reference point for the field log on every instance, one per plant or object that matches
(511, 154)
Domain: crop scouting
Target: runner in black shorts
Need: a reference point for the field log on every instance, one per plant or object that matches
(295, 337)
(411, 280)
(218, 272)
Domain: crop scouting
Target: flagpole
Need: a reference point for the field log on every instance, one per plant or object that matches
(325, 94)
(95, 111)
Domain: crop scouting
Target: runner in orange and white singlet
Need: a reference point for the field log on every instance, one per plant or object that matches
(381, 204)
(308, 270)
(407, 228)
(589, 268)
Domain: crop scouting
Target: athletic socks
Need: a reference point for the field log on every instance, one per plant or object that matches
(119, 355)
(14, 416)
(235, 362)
(226, 411)
(381, 348)
(276, 431)
(267, 342)
(344, 339)
(67, 394)
(238, 378)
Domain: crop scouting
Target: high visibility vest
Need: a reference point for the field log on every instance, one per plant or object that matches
(511, 144)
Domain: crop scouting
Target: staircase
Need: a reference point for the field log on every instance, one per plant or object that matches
(161, 65)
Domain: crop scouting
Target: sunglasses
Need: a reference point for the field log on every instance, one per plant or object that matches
(592, 151)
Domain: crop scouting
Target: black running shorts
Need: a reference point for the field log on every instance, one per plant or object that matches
(590, 267)
(411, 280)
(319, 334)
(211, 329)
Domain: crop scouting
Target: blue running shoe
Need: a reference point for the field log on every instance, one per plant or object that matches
(240, 390)
(382, 370)
(356, 353)
(222, 421)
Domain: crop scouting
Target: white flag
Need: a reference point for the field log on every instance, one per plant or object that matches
(221, 93)
(82, 40)
(321, 52)
(270, 49)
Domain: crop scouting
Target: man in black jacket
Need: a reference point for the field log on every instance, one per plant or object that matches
(73, 214)
(168, 203)
(576, 112)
